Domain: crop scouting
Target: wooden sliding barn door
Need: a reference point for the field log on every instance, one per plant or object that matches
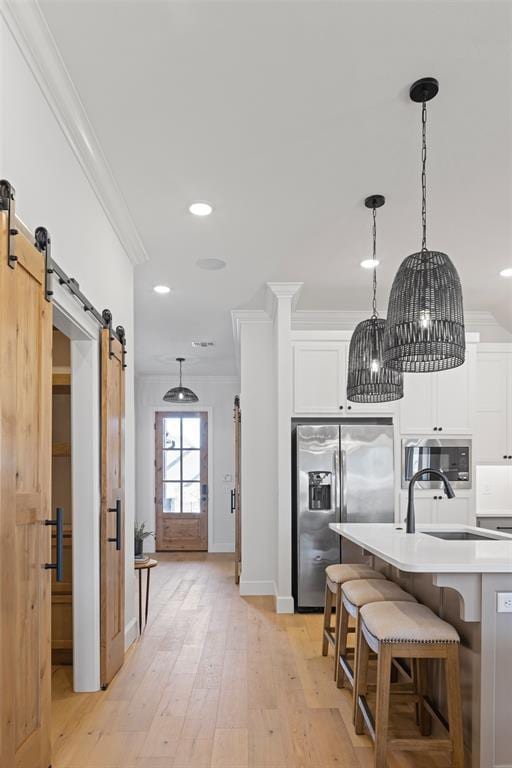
(112, 507)
(25, 497)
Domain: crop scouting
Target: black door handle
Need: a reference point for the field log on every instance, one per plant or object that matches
(233, 500)
(117, 537)
(58, 565)
(504, 527)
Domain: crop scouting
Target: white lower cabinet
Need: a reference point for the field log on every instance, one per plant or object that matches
(433, 507)
(423, 508)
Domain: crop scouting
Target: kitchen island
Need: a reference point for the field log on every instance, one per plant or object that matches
(459, 580)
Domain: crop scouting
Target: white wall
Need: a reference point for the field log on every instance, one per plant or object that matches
(217, 394)
(52, 191)
(259, 460)
(494, 490)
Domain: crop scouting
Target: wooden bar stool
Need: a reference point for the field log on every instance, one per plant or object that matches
(407, 631)
(354, 595)
(335, 576)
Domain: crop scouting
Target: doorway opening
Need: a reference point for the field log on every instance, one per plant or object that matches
(181, 480)
(62, 591)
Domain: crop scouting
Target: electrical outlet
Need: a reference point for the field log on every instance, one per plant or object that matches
(504, 602)
(487, 489)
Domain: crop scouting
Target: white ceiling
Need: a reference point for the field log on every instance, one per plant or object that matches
(285, 115)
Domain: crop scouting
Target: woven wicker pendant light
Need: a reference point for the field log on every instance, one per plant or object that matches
(368, 380)
(180, 394)
(425, 320)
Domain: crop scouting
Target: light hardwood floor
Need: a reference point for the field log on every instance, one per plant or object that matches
(217, 681)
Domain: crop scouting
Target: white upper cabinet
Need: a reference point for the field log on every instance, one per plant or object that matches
(455, 396)
(493, 430)
(319, 377)
(320, 381)
(440, 402)
(417, 407)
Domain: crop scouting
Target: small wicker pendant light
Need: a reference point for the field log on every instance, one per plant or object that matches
(180, 394)
(425, 322)
(369, 381)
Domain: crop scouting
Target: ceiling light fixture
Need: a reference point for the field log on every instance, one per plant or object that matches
(211, 264)
(180, 394)
(200, 208)
(425, 322)
(370, 263)
(369, 381)
(162, 289)
(507, 272)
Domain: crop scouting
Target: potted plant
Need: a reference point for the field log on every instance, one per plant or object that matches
(140, 535)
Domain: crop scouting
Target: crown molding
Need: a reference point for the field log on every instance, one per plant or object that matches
(168, 378)
(277, 291)
(240, 316)
(327, 319)
(346, 320)
(480, 317)
(33, 37)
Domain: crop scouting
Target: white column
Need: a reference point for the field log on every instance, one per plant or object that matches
(282, 297)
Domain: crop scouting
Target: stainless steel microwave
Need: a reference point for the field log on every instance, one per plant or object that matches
(451, 457)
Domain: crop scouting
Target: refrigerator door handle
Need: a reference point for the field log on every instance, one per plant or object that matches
(343, 486)
(336, 489)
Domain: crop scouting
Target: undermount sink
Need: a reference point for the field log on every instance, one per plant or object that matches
(462, 536)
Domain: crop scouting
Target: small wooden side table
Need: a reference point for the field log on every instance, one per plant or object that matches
(144, 567)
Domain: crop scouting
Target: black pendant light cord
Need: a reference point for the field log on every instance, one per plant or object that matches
(374, 303)
(424, 176)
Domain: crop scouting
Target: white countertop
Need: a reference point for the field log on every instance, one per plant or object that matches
(495, 513)
(420, 553)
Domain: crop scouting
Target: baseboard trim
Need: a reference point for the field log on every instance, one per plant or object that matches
(221, 547)
(131, 631)
(283, 604)
(248, 588)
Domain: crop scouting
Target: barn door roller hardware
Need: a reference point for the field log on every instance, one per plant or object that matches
(7, 204)
(43, 243)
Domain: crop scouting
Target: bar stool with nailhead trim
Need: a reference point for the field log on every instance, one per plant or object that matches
(408, 631)
(354, 595)
(336, 575)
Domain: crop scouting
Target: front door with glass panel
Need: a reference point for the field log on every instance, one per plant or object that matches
(181, 480)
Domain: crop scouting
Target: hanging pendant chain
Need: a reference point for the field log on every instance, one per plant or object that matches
(180, 373)
(424, 176)
(374, 303)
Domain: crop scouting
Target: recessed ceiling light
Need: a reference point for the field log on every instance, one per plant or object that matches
(200, 208)
(211, 264)
(506, 272)
(161, 289)
(370, 263)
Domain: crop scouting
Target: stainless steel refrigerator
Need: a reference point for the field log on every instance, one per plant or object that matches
(344, 472)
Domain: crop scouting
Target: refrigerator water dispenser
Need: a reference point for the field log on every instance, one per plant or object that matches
(320, 484)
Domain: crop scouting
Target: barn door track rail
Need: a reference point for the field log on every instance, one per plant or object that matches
(42, 242)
